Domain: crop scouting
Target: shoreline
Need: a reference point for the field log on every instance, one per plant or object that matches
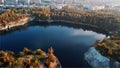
(111, 32)
(15, 24)
(28, 19)
(82, 24)
(66, 21)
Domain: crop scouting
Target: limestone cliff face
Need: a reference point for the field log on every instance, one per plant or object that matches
(96, 60)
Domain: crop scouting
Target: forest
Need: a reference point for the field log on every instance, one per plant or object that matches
(29, 59)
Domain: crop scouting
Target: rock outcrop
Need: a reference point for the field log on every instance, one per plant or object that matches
(96, 60)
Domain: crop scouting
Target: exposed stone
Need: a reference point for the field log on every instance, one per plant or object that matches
(96, 60)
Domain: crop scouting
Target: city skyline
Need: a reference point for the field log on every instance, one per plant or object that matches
(65, 1)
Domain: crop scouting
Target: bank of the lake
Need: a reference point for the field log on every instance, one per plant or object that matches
(15, 24)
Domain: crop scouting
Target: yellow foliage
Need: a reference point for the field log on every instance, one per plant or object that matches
(51, 65)
(104, 45)
(110, 51)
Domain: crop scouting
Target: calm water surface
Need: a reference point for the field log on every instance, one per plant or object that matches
(69, 44)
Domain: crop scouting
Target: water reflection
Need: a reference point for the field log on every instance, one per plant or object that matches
(81, 32)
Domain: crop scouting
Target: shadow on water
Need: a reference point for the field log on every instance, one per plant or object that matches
(55, 23)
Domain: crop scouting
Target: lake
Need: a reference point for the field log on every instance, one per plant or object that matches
(69, 43)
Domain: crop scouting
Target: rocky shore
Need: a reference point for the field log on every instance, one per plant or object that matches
(18, 23)
(96, 60)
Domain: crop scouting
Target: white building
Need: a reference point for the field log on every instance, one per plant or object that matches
(93, 7)
(58, 6)
(25, 1)
(35, 1)
(15, 1)
(59, 1)
(1, 1)
(11, 1)
(117, 8)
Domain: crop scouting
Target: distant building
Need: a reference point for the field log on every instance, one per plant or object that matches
(68, 1)
(59, 1)
(35, 1)
(24, 1)
(15, 1)
(11, 1)
(27, 1)
(47, 1)
(1, 1)
(93, 7)
(54, 0)
(30, 1)
(117, 8)
(58, 6)
(77, 1)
